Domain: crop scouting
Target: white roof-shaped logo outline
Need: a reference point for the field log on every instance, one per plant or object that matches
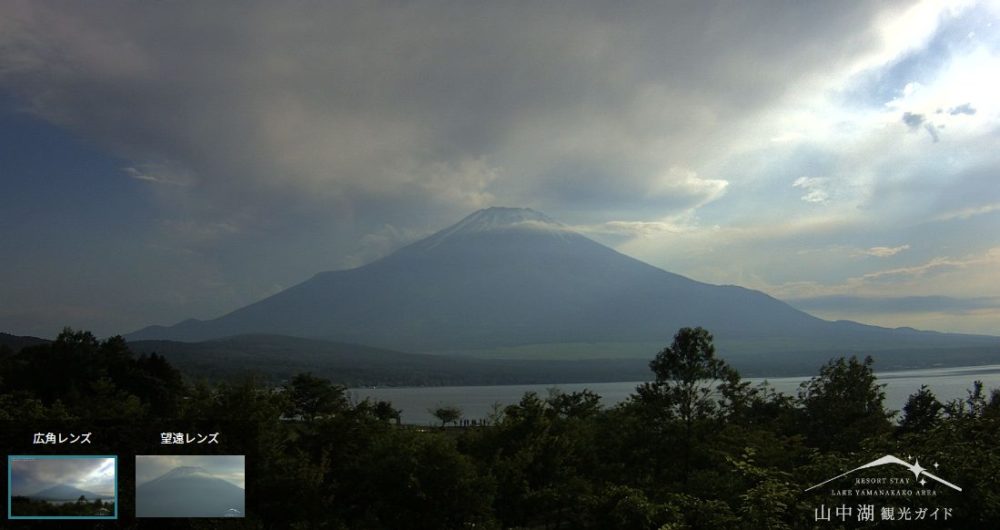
(914, 468)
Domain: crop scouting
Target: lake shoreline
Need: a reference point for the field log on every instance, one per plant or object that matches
(477, 401)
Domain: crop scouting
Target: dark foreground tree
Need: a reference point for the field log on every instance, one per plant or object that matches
(447, 414)
(561, 462)
(684, 390)
(687, 373)
(921, 411)
(843, 405)
(310, 397)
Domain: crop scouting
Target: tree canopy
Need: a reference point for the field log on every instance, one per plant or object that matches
(447, 414)
(696, 447)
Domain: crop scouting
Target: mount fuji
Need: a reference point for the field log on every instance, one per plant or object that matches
(509, 278)
(65, 492)
(189, 491)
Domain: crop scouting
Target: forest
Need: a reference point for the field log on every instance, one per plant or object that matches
(695, 447)
(25, 507)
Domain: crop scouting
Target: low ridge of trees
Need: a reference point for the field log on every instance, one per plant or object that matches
(696, 447)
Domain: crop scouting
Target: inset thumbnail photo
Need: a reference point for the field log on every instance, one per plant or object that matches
(190, 485)
(62, 487)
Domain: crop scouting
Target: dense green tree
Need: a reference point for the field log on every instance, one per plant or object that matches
(921, 411)
(545, 455)
(843, 405)
(383, 410)
(623, 508)
(421, 482)
(687, 374)
(80, 376)
(446, 414)
(976, 405)
(310, 397)
(769, 497)
(158, 383)
(582, 404)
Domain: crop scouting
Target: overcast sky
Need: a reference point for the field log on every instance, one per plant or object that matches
(29, 476)
(161, 161)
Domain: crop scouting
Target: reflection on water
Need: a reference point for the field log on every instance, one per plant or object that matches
(477, 401)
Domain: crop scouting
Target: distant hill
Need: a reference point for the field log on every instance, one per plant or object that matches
(512, 279)
(280, 358)
(189, 492)
(16, 343)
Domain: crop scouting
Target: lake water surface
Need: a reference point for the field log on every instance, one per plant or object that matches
(73, 501)
(477, 402)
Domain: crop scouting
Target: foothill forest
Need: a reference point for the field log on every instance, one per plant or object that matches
(694, 447)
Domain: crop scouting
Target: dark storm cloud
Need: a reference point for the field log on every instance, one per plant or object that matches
(371, 106)
(965, 108)
(29, 476)
(913, 121)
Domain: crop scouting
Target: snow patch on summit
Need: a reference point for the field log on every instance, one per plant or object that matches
(186, 471)
(499, 219)
(504, 218)
(183, 472)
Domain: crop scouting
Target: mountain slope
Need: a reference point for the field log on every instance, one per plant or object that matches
(188, 492)
(508, 277)
(65, 492)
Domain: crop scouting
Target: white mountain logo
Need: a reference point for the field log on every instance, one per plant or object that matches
(914, 468)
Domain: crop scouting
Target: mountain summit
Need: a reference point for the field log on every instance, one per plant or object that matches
(184, 472)
(513, 277)
(189, 492)
(497, 220)
(500, 218)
